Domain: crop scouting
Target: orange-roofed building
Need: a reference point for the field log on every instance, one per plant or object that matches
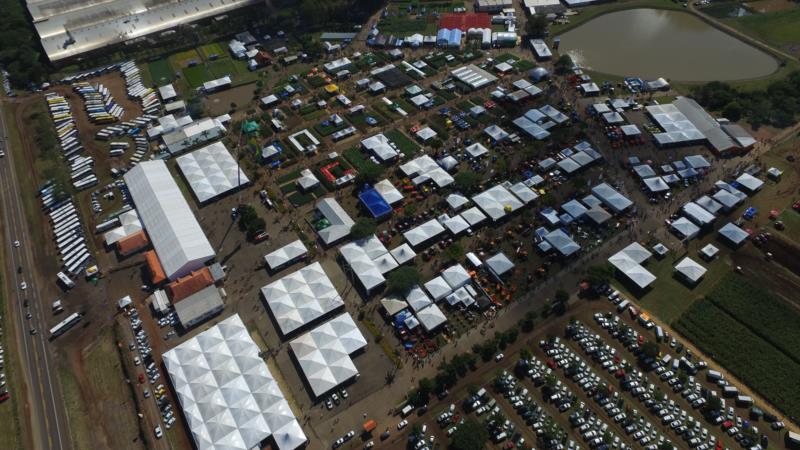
(132, 243)
(188, 285)
(157, 275)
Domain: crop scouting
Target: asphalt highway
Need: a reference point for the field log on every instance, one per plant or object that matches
(45, 414)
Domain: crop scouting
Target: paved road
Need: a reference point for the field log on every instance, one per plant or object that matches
(44, 408)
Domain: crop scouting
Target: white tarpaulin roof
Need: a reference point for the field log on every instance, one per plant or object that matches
(388, 192)
(690, 269)
(417, 298)
(460, 295)
(733, 233)
(301, 297)
(497, 201)
(438, 288)
(129, 224)
(632, 269)
(523, 192)
(339, 219)
(562, 242)
(499, 264)
(229, 397)
(211, 171)
(456, 201)
(324, 353)
(611, 197)
(475, 150)
(750, 182)
(697, 214)
(179, 241)
(403, 253)
(656, 184)
(685, 228)
(455, 224)
(431, 317)
(423, 232)
(636, 252)
(473, 216)
(286, 254)
(369, 260)
(456, 276)
(393, 305)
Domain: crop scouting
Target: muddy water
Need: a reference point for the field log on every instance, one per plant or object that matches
(653, 43)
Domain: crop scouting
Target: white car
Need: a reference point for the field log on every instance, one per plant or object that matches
(499, 357)
(403, 423)
(158, 432)
(23, 285)
(16, 243)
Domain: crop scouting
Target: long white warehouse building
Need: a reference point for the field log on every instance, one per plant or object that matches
(179, 242)
(69, 28)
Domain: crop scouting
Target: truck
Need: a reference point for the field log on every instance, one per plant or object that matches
(57, 308)
(730, 391)
(744, 401)
(406, 410)
(714, 376)
(659, 334)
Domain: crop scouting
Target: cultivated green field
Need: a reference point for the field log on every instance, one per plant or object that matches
(196, 75)
(768, 317)
(740, 348)
(404, 144)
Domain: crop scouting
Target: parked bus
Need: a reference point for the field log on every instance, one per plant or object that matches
(64, 325)
(65, 280)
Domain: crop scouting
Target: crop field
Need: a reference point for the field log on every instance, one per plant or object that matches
(221, 67)
(212, 49)
(752, 359)
(767, 316)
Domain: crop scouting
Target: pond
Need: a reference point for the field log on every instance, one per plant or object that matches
(652, 43)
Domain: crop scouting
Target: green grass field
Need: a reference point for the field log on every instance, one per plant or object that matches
(212, 49)
(160, 71)
(182, 59)
(221, 67)
(781, 29)
(196, 75)
(670, 297)
(404, 144)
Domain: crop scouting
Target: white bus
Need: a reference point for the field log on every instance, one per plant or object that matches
(64, 325)
(77, 265)
(65, 280)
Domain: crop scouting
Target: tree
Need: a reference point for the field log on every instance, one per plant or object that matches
(453, 253)
(363, 228)
(714, 404)
(536, 26)
(368, 173)
(733, 111)
(470, 435)
(401, 280)
(666, 446)
(467, 181)
(599, 273)
(563, 64)
(562, 296)
(650, 349)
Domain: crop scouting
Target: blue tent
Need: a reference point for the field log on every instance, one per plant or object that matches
(376, 205)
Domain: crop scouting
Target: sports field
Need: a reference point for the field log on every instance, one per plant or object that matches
(160, 71)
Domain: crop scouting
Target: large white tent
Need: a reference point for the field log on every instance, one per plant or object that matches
(473, 216)
(431, 317)
(229, 398)
(497, 201)
(179, 242)
(403, 253)
(691, 270)
(423, 232)
(301, 297)
(323, 353)
(438, 288)
(685, 228)
(697, 214)
(340, 221)
(624, 262)
(611, 197)
(499, 264)
(733, 233)
(417, 299)
(388, 192)
(286, 255)
(456, 276)
(211, 171)
(129, 223)
(368, 260)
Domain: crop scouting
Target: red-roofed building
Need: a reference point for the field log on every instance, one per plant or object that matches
(465, 21)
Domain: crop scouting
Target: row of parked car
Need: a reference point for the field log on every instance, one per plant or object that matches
(576, 369)
(678, 373)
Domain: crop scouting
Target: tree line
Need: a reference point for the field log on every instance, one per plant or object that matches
(777, 105)
(20, 51)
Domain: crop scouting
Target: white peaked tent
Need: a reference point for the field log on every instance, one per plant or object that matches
(301, 297)
(685, 228)
(129, 224)
(211, 171)
(523, 192)
(323, 353)
(460, 295)
(733, 233)
(456, 276)
(388, 192)
(403, 253)
(286, 254)
(341, 222)
(456, 201)
(438, 288)
(431, 317)
(424, 232)
(640, 276)
(473, 216)
(228, 395)
(499, 264)
(636, 252)
(362, 266)
(417, 299)
(691, 270)
(456, 224)
(497, 201)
